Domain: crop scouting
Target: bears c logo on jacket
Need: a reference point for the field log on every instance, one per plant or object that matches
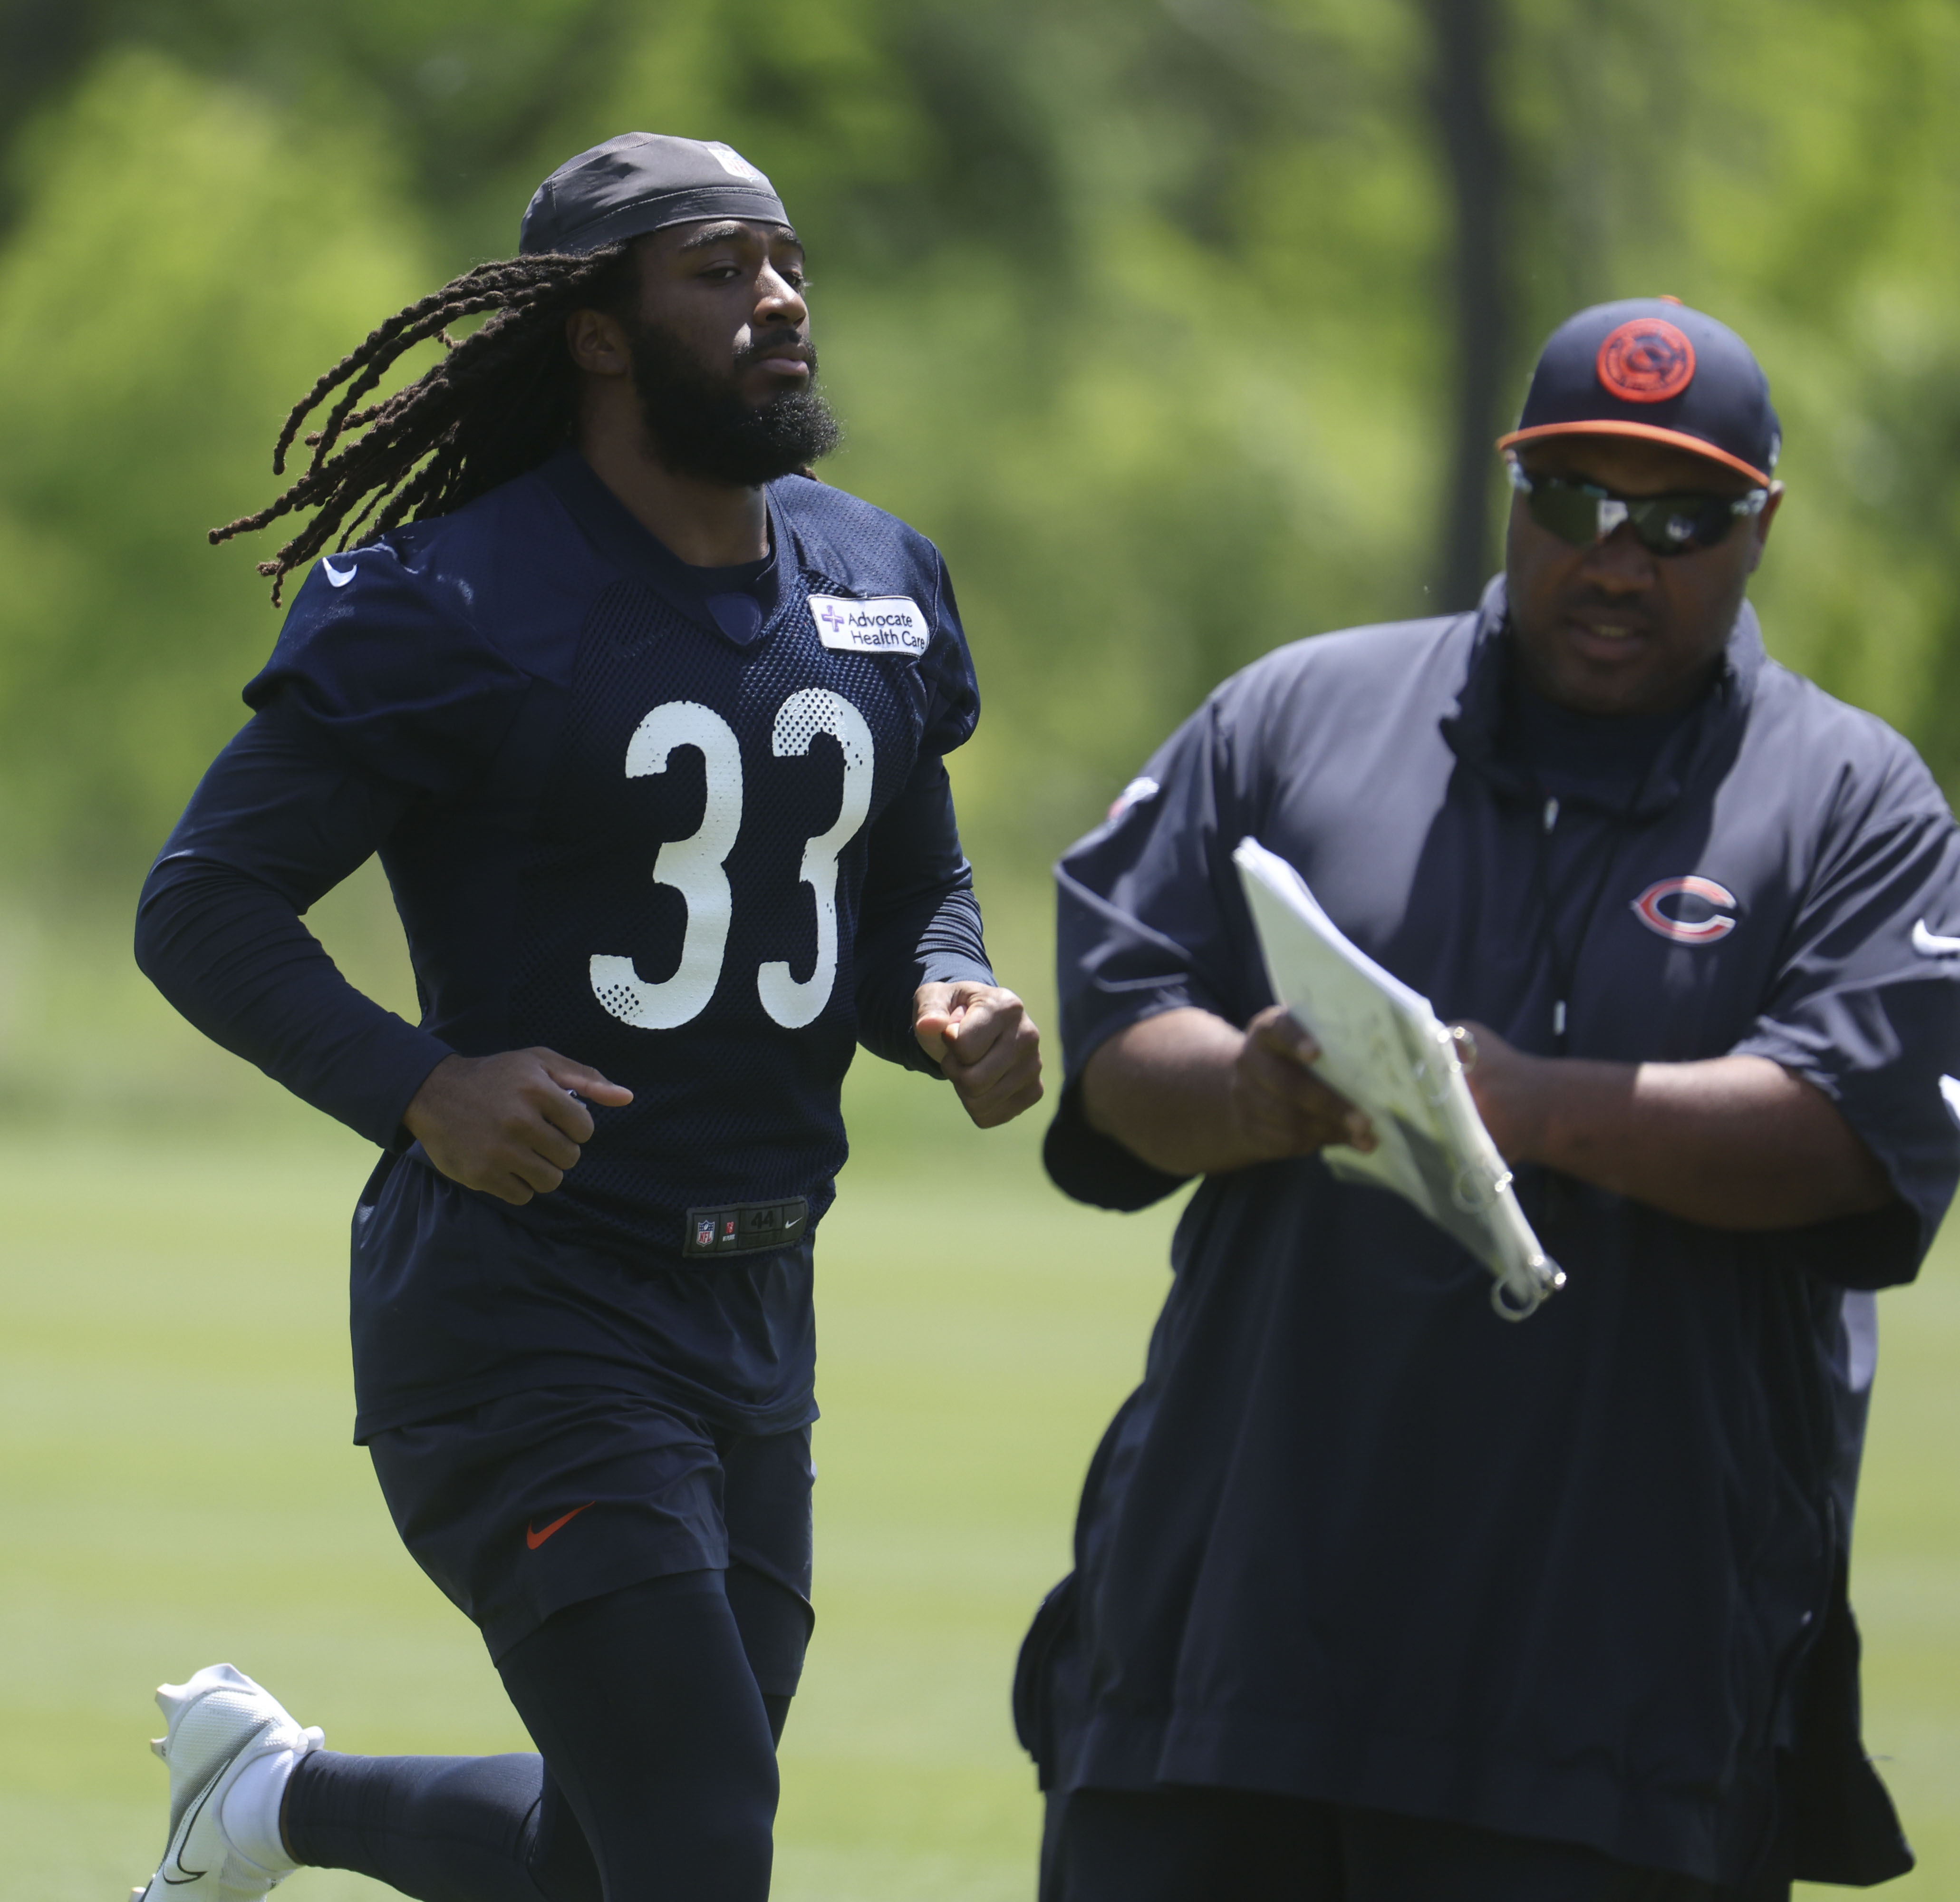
(1700, 912)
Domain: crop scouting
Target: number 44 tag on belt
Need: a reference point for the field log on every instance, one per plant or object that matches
(741, 1227)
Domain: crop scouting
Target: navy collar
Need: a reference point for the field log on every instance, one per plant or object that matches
(1710, 733)
(620, 536)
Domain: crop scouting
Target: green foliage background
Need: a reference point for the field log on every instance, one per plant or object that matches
(1139, 310)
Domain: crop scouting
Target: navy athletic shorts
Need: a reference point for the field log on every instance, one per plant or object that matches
(554, 1496)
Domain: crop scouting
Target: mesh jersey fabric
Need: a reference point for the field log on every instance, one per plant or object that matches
(810, 742)
(614, 827)
(499, 670)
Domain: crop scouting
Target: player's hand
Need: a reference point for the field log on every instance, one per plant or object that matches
(1278, 1106)
(984, 1040)
(1508, 1087)
(511, 1125)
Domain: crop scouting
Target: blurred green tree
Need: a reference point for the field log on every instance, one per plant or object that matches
(186, 256)
(1182, 327)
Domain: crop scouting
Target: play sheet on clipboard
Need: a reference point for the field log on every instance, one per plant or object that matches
(1386, 1051)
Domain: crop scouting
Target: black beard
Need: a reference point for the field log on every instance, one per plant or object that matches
(697, 424)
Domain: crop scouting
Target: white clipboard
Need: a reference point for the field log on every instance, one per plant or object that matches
(1386, 1051)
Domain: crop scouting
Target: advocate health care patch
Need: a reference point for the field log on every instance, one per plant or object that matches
(888, 624)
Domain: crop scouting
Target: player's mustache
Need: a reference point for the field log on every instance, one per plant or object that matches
(775, 347)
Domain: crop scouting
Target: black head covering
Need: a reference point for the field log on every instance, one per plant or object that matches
(640, 182)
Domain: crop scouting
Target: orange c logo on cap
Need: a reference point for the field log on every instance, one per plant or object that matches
(1646, 361)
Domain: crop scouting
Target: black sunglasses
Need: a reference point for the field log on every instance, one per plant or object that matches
(1582, 513)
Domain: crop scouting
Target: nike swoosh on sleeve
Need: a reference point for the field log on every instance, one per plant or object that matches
(1931, 944)
(334, 574)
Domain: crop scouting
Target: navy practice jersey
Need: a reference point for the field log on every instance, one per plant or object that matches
(1356, 1539)
(690, 827)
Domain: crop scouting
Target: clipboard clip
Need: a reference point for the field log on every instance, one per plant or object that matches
(1510, 1307)
(1543, 1276)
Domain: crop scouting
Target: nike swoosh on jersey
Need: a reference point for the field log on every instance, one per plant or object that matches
(1931, 944)
(1949, 1094)
(534, 1540)
(333, 573)
(792, 1222)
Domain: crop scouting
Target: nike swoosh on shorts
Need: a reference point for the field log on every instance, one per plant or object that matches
(534, 1540)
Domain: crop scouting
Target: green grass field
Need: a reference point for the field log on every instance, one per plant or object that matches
(178, 1487)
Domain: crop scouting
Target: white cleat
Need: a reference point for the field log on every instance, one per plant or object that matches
(218, 1724)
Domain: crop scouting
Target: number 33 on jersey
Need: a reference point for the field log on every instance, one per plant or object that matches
(694, 866)
(708, 816)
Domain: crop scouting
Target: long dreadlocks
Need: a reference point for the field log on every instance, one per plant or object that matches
(498, 404)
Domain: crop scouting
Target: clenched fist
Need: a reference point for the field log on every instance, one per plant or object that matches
(511, 1125)
(983, 1040)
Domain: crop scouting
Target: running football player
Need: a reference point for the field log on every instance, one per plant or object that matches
(647, 728)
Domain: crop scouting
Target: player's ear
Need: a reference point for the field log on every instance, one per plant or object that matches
(598, 344)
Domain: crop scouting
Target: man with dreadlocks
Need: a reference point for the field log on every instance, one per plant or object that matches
(648, 730)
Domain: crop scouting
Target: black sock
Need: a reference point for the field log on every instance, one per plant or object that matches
(658, 1765)
(443, 1829)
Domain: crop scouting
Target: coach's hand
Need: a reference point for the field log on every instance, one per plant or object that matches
(1509, 1087)
(1278, 1106)
(1192, 1095)
(984, 1040)
(511, 1125)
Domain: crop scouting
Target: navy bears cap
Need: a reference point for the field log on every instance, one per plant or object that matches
(1651, 367)
(640, 182)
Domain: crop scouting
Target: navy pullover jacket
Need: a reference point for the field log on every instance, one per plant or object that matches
(1356, 1539)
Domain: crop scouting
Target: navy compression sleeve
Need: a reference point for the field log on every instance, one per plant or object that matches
(276, 824)
(918, 921)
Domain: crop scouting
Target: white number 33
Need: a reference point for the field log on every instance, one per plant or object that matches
(694, 866)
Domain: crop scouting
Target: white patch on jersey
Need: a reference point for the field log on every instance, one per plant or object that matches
(1931, 944)
(887, 624)
(334, 574)
(1949, 1091)
(1134, 793)
(732, 162)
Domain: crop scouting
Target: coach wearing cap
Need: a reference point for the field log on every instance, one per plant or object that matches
(1377, 1597)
